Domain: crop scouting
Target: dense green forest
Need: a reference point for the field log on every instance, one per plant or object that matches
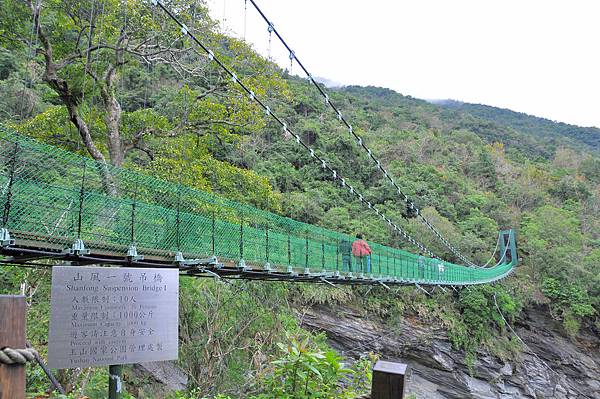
(117, 81)
(551, 134)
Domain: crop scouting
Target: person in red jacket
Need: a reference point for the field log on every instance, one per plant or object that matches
(362, 252)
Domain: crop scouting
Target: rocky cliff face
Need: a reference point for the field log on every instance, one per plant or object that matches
(552, 366)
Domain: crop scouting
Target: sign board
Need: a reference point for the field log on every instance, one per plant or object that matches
(105, 315)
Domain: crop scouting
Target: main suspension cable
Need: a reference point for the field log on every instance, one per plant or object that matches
(336, 176)
(359, 140)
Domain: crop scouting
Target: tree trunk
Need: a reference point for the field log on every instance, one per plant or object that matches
(71, 100)
(84, 131)
(112, 108)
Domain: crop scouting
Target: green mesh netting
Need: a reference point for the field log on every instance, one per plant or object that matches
(55, 196)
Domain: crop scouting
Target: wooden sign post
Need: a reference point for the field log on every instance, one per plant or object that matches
(388, 380)
(12, 335)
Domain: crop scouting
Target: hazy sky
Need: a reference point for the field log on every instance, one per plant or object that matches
(538, 57)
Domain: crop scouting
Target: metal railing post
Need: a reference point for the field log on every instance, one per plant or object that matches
(306, 249)
(133, 206)
(289, 249)
(178, 218)
(337, 255)
(212, 233)
(323, 252)
(242, 236)
(81, 200)
(11, 179)
(267, 242)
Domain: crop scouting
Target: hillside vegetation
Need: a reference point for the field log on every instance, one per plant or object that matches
(551, 133)
(132, 93)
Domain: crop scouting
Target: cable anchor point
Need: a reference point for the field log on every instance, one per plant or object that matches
(78, 248)
(242, 265)
(132, 254)
(5, 240)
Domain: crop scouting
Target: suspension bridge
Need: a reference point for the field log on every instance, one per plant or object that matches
(64, 207)
(56, 207)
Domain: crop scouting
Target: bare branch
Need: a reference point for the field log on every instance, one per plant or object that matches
(208, 92)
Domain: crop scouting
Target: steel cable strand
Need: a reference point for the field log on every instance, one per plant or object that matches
(360, 141)
(494, 254)
(336, 176)
(31, 56)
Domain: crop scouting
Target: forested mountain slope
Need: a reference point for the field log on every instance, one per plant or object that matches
(548, 132)
(169, 110)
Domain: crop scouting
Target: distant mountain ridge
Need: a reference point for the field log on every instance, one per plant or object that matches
(328, 82)
(530, 135)
(411, 113)
(541, 128)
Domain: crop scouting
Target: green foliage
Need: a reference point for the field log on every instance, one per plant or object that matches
(484, 171)
(228, 331)
(552, 238)
(570, 188)
(571, 300)
(303, 371)
(303, 294)
(483, 310)
(590, 168)
(540, 129)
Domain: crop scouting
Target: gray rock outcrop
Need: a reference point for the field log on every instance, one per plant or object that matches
(551, 366)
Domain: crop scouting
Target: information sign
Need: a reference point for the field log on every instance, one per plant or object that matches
(106, 315)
